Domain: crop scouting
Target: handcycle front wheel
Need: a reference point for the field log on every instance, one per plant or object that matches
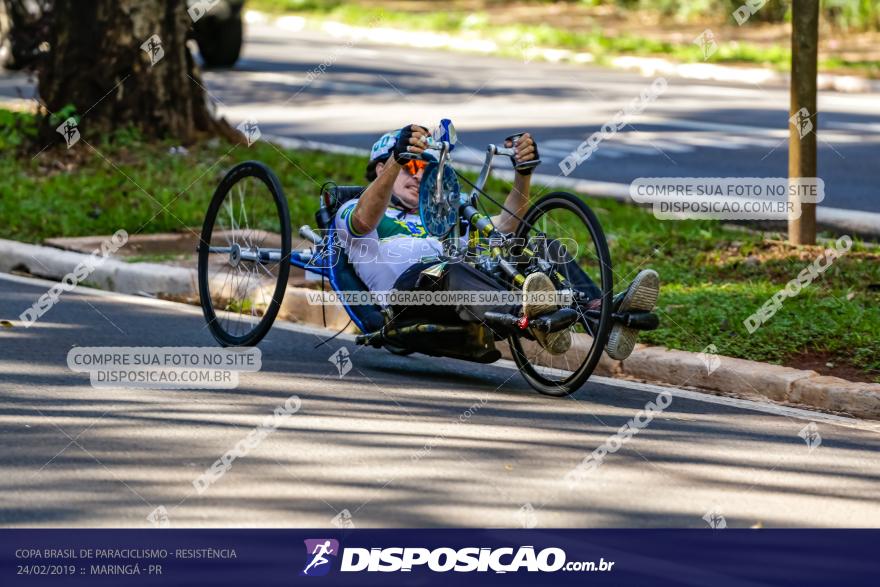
(565, 234)
(244, 255)
(399, 351)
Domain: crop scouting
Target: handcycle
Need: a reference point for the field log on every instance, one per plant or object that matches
(246, 251)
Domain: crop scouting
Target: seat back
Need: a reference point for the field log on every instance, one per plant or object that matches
(332, 197)
(341, 274)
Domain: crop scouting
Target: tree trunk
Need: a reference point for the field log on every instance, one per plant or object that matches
(802, 155)
(123, 63)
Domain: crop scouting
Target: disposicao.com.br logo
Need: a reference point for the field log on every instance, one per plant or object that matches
(318, 553)
(441, 560)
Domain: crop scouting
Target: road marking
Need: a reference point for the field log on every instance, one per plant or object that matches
(624, 143)
(781, 132)
(872, 127)
(228, 81)
(744, 404)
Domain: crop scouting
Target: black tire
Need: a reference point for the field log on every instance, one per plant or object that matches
(256, 184)
(220, 40)
(7, 56)
(399, 351)
(595, 259)
(21, 25)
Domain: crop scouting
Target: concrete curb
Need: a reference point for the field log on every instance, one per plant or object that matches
(742, 378)
(752, 379)
(110, 274)
(647, 66)
(713, 373)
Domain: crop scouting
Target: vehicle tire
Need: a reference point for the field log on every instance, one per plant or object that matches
(17, 48)
(220, 40)
(570, 221)
(6, 57)
(244, 255)
(399, 351)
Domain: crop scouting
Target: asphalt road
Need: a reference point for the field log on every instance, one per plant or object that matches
(395, 442)
(694, 128)
(316, 86)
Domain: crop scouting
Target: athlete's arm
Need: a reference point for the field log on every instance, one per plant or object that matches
(373, 202)
(517, 200)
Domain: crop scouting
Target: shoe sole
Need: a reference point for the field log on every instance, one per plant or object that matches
(538, 282)
(642, 297)
(555, 343)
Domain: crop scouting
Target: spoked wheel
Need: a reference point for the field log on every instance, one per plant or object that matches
(567, 240)
(244, 255)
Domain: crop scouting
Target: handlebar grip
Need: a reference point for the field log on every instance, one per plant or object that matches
(531, 164)
(431, 144)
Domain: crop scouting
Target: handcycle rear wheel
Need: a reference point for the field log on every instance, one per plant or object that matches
(564, 219)
(244, 255)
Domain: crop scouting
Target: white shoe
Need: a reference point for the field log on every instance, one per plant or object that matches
(555, 343)
(640, 296)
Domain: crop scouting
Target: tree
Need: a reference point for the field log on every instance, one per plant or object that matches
(121, 63)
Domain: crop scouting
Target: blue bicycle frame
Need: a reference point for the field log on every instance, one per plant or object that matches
(322, 259)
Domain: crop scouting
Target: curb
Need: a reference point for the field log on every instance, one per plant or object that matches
(111, 274)
(755, 380)
(296, 308)
(151, 279)
(646, 66)
(742, 378)
(712, 373)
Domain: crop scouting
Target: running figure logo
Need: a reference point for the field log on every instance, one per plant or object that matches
(810, 434)
(706, 42)
(70, 131)
(153, 48)
(317, 552)
(802, 121)
(341, 361)
(250, 130)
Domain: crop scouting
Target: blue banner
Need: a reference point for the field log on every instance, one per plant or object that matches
(439, 557)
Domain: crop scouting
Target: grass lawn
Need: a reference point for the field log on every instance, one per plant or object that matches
(518, 28)
(713, 277)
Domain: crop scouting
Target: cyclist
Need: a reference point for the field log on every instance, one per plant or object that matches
(390, 249)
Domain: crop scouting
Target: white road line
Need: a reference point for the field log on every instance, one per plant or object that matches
(774, 409)
(863, 127)
(742, 129)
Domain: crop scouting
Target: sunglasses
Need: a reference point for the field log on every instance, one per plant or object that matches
(413, 166)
